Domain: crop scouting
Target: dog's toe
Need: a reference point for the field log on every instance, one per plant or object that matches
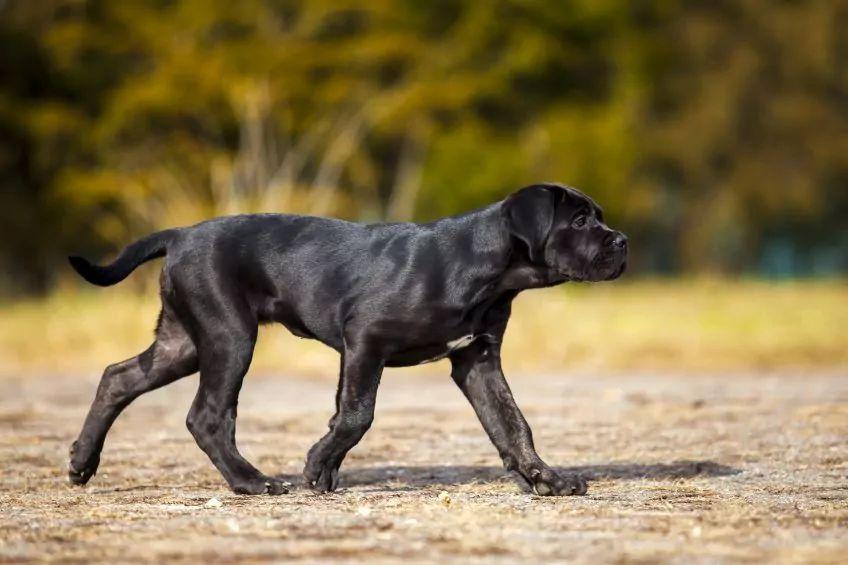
(276, 486)
(326, 481)
(75, 477)
(261, 485)
(547, 482)
(78, 477)
(81, 468)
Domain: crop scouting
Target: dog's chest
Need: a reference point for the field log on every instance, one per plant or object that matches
(433, 352)
(459, 343)
(451, 346)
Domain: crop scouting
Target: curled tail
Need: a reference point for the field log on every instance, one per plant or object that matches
(147, 248)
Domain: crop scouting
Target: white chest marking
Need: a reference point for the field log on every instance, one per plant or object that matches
(461, 342)
(452, 346)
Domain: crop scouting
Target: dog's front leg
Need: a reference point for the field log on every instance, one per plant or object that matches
(355, 400)
(477, 371)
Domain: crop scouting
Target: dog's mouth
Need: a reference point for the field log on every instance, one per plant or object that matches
(618, 271)
(607, 266)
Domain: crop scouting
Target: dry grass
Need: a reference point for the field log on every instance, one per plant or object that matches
(647, 325)
(726, 469)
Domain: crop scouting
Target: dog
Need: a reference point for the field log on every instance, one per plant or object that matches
(382, 295)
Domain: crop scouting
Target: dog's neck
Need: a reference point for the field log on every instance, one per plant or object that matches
(524, 276)
(518, 272)
(509, 271)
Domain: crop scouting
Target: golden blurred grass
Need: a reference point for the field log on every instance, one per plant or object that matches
(666, 325)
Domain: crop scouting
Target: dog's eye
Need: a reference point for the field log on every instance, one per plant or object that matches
(579, 221)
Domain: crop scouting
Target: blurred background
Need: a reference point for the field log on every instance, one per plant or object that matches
(715, 134)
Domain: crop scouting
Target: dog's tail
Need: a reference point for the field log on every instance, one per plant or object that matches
(147, 248)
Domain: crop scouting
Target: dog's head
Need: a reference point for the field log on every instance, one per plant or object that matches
(562, 229)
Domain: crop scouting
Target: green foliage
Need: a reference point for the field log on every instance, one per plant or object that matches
(716, 134)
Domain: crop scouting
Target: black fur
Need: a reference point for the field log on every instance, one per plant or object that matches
(381, 295)
(151, 247)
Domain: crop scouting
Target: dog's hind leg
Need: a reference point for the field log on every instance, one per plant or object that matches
(171, 357)
(225, 351)
(355, 401)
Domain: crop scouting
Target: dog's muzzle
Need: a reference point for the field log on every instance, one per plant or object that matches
(611, 261)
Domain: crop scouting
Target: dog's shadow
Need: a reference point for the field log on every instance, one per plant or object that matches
(413, 477)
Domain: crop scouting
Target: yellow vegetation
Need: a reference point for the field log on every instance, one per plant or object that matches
(695, 325)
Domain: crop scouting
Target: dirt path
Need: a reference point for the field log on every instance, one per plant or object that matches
(727, 468)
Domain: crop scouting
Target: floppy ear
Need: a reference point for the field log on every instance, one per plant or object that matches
(530, 216)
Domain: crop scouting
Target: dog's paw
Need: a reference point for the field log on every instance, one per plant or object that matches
(321, 478)
(82, 467)
(261, 485)
(547, 482)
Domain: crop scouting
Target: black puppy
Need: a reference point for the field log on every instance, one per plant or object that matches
(381, 295)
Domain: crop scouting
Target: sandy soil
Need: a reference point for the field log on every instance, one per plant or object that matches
(723, 468)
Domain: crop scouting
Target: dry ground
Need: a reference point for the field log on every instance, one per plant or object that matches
(720, 468)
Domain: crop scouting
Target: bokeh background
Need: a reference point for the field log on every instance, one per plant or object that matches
(714, 133)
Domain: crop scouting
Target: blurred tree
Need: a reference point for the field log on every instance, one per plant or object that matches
(715, 132)
(745, 132)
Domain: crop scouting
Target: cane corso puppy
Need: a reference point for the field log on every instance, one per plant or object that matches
(383, 295)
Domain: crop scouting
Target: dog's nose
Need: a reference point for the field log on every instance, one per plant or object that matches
(618, 240)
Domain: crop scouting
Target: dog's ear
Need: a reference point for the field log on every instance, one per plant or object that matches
(529, 217)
